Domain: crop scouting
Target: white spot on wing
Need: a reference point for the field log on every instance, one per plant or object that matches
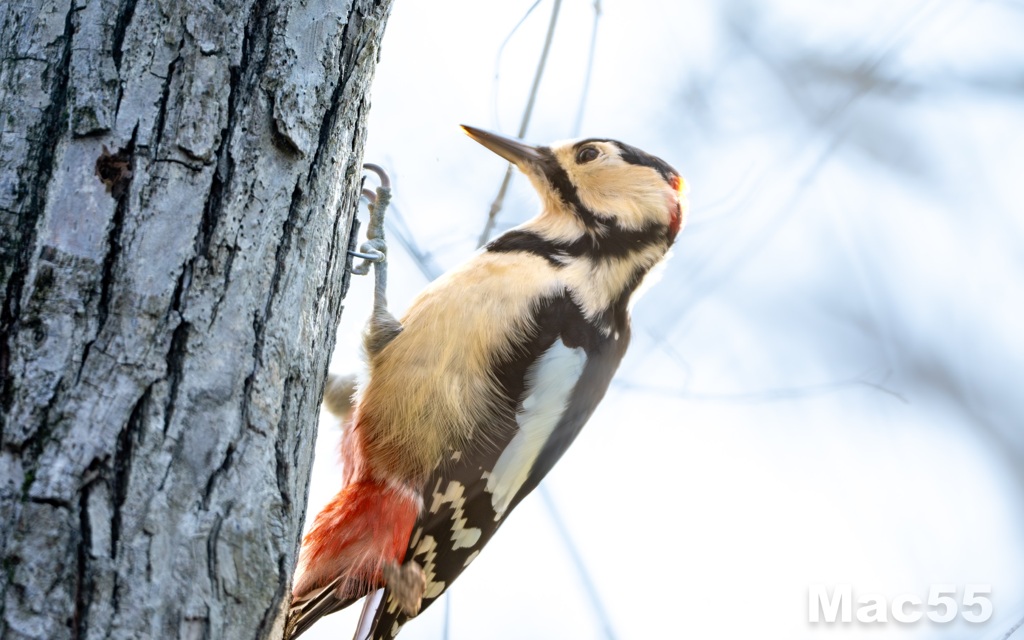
(548, 385)
(463, 537)
(427, 550)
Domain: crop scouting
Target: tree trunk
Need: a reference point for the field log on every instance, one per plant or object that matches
(177, 182)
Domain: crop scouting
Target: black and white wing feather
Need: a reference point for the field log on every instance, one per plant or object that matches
(553, 386)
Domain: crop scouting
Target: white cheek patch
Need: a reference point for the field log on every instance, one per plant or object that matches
(549, 382)
(595, 284)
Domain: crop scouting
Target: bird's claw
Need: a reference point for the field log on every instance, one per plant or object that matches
(407, 583)
(374, 251)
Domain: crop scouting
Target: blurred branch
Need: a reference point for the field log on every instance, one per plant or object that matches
(769, 395)
(711, 276)
(500, 198)
(799, 74)
(577, 560)
(497, 61)
(401, 232)
(590, 68)
(1012, 630)
(727, 206)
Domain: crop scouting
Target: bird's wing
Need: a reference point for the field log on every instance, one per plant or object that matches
(553, 384)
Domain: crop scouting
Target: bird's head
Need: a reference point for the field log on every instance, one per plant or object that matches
(594, 184)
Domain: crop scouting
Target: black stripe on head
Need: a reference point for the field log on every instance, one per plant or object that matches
(632, 155)
(560, 182)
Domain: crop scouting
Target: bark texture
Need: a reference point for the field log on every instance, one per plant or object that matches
(176, 187)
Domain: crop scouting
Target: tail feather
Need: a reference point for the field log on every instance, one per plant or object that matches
(365, 527)
(311, 607)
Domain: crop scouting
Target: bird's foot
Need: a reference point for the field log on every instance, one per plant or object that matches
(383, 326)
(374, 250)
(407, 583)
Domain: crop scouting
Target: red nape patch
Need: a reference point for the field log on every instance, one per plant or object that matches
(676, 220)
(365, 526)
(675, 223)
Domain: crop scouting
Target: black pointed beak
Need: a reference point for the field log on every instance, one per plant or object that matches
(519, 154)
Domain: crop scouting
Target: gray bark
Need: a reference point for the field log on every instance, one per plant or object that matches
(177, 180)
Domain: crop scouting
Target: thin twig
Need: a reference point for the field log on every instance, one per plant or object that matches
(590, 68)
(492, 215)
(400, 231)
(577, 561)
(497, 60)
(707, 279)
(1010, 632)
(447, 614)
(499, 201)
(540, 68)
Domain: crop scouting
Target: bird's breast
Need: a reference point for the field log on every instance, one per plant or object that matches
(433, 384)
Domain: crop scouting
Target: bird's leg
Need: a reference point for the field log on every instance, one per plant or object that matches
(383, 326)
(339, 393)
(407, 583)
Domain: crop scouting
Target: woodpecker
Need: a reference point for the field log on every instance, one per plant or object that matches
(480, 388)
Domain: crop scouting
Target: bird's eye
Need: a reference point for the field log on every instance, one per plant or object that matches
(586, 154)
